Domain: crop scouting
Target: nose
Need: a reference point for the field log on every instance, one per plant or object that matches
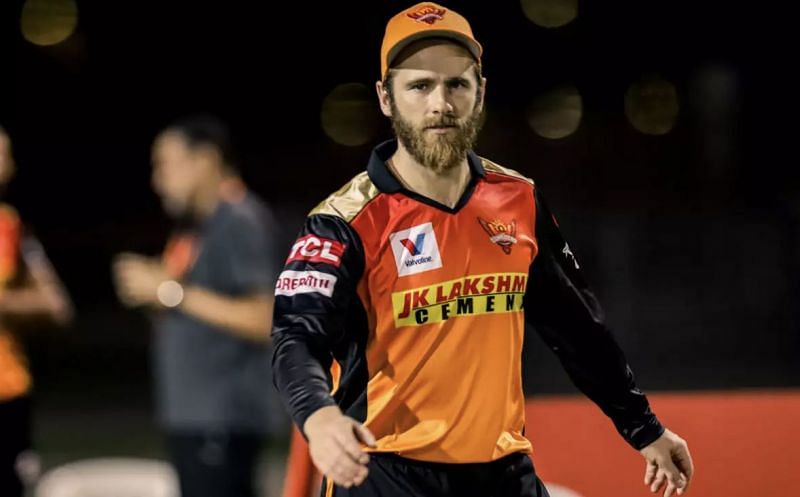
(440, 100)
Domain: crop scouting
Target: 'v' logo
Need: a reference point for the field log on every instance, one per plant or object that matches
(415, 247)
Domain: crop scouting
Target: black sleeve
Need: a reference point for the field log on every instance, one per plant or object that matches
(565, 312)
(312, 297)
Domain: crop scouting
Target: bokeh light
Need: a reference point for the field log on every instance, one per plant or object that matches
(550, 13)
(557, 113)
(651, 105)
(350, 114)
(48, 22)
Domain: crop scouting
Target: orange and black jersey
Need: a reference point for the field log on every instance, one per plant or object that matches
(15, 378)
(410, 316)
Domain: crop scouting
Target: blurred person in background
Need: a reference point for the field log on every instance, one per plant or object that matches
(31, 296)
(399, 316)
(212, 290)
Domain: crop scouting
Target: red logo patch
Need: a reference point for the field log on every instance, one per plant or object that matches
(427, 14)
(312, 248)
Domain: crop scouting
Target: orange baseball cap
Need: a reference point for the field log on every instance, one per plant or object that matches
(425, 20)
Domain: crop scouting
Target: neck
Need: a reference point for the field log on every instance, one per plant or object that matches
(445, 187)
(207, 197)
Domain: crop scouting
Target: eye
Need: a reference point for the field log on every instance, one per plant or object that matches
(458, 84)
(421, 86)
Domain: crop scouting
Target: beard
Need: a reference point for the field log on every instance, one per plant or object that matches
(438, 152)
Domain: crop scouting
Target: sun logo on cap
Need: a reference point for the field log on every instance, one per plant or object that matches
(427, 14)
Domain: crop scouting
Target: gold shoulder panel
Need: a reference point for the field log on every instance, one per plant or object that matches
(497, 168)
(349, 200)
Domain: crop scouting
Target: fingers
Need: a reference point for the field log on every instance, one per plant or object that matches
(122, 273)
(132, 280)
(649, 473)
(123, 288)
(344, 471)
(364, 435)
(360, 476)
(347, 473)
(683, 463)
(127, 289)
(683, 460)
(668, 462)
(685, 481)
(130, 257)
(132, 295)
(349, 444)
(337, 453)
(659, 481)
(673, 481)
(667, 473)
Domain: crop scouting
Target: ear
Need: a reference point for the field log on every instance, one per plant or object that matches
(482, 95)
(383, 99)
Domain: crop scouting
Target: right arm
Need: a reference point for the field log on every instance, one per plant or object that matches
(312, 296)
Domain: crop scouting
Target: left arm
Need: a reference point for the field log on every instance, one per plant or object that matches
(567, 315)
(41, 295)
(247, 316)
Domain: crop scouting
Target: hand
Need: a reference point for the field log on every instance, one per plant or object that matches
(333, 442)
(137, 279)
(668, 461)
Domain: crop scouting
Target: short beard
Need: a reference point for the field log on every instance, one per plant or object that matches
(439, 153)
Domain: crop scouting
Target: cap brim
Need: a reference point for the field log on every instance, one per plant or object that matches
(470, 44)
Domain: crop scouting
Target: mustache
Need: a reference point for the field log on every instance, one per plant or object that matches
(443, 122)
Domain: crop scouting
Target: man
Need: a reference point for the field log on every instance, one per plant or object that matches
(404, 297)
(213, 286)
(30, 294)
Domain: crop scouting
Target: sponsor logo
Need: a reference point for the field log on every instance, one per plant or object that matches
(503, 234)
(295, 282)
(312, 248)
(569, 255)
(467, 296)
(415, 249)
(427, 14)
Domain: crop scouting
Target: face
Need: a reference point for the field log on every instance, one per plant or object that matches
(435, 102)
(177, 172)
(6, 159)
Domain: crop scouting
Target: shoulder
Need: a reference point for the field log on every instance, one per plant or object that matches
(499, 173)
(248, 216)
(349, 200)
(10, 226)
(8, 213)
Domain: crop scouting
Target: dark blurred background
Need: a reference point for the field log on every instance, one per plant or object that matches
(653, 128)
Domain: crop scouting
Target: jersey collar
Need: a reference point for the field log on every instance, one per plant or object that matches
(386, 182)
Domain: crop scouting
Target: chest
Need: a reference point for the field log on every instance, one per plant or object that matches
(417, 254)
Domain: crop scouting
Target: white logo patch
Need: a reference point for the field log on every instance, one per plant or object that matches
(294, 282)
(415, 250)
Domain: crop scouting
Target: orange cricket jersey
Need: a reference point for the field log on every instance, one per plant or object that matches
(410, 316)
(441, 291)
(444, 301)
